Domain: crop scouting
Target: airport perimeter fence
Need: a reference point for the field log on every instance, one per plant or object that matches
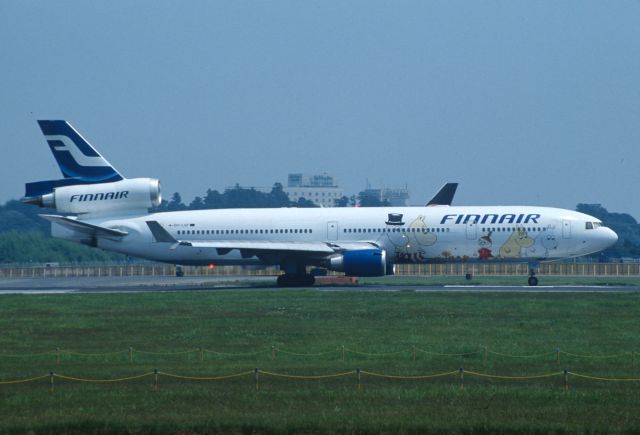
(257, 376)
(450, 269)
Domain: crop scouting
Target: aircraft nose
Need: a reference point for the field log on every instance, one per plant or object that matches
(612, 237)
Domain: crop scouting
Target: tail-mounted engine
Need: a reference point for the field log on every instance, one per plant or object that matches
(125, 195)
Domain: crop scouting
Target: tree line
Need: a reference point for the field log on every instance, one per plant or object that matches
(239, 197)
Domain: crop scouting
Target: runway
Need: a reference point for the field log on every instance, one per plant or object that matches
(141, 284)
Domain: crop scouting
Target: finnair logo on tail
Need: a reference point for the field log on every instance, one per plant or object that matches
(68, 145)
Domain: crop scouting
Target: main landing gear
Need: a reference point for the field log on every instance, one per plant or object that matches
(295, 280)
(295, 274)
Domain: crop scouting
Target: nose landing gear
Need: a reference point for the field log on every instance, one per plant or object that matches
(533, 281)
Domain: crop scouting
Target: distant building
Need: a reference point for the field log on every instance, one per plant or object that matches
(394, 197)
(322, 189)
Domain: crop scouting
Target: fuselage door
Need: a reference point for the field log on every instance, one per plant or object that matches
(566, 229)
(472, 230)
(332, 230)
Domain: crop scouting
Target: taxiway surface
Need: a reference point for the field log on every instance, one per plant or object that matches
(133, 284)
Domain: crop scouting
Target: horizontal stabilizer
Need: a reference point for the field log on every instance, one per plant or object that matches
(445, 195)
(83, 227)
(39, 188)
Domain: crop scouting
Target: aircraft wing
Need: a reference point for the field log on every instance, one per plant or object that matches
(83, 227)
(224, 246)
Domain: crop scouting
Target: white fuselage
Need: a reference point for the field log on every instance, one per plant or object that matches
(407, 234)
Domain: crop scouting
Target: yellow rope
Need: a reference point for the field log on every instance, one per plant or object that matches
(380, 375)
(604, 379)
(536, 355)
(236, 354)
(69, 352)
(485, 375)
(375, 354)
(207, 378)
(306, 354)
(281, 375)
(22, 381)
(165, 353)
(449, 354)
(70, 378)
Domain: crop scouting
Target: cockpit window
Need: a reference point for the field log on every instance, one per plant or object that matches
(592, 225)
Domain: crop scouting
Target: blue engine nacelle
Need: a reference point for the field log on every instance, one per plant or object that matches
(365, 262)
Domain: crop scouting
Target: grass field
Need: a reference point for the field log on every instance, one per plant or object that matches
(507, 280)
(249, 323)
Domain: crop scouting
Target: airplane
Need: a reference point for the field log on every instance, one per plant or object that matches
(99, 207)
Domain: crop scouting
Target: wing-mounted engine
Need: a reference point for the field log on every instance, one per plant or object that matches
(136, 194)
(362, 262)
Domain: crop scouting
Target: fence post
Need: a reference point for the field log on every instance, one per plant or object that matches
(130, 354)
(484, 361)
(359, 375)
(256, 377)
(57, 356)
(414, 352)
(558, 355)
(155, 380)
(461, 372)
(273, 352)
(633, 358)
(201, 354)
(343, 352)
(566, 380)
(51, 375)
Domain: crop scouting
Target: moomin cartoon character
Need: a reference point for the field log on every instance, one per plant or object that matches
(544, 243)
(418, 237)
(518, 240)
(549, 241)
(485, 243)
(419, 234)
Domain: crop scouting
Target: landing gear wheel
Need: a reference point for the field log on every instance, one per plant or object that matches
(468, 276)
(533, 281)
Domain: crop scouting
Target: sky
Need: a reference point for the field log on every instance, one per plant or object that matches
(521, 102)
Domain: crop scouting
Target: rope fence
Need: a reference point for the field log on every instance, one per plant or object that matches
(360, 374)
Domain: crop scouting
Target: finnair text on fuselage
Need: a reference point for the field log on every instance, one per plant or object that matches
(99, 196)
(508, 218)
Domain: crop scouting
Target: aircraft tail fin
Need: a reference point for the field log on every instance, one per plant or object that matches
(75, 155)
(79, 162)
(445, 195)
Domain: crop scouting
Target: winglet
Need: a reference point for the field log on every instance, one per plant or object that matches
(445, 195)
(159, 233)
